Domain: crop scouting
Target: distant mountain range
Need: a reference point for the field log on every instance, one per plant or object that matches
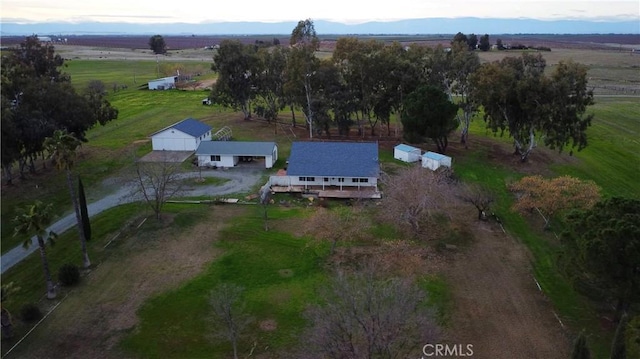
(409, 27)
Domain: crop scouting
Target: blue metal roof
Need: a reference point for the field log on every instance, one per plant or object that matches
(406, 148)
(334, 159)
(434, 156)
(192, 127)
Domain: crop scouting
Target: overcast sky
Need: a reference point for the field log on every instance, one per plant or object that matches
(346, 11)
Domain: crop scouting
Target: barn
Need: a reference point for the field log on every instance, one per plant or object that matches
(230, 153)
(331, 169)
(406, 153)
(164, 83)
(185, 135)
(433, 160)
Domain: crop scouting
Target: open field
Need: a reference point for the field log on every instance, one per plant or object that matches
(146, 295)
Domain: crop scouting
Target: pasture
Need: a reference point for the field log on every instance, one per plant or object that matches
(149, 299)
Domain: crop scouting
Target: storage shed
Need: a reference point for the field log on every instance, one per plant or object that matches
(185, 135)
(406, 153)
(433, 160)
(229, 153)
(164, 83)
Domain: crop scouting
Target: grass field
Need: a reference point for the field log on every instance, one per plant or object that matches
(174, 323)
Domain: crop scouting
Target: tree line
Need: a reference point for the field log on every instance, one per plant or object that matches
(38, 99)
(367, 83)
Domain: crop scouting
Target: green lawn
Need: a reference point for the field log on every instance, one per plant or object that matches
(612, 158)
(279, 273)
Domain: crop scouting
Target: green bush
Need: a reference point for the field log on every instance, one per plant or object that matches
(30, 313)
(69, 275)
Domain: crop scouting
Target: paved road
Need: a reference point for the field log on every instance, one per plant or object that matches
(241, 180)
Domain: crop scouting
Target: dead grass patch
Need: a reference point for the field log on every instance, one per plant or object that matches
(95, 316)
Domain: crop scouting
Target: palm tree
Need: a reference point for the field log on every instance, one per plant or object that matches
(62, 148)
(34, 218)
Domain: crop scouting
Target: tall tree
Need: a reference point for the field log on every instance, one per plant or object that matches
(472, 42)
(364, 316)
(271, 80)
(303, 63)
(602, 250)
(238, 73)
(33, 219)
(62, 148)
(412, 195)
(460, 37)
(485, 44)
(429, 113)
(229, 313)
(84, 212)
(157, 183)
(157, 44)
(517, 97)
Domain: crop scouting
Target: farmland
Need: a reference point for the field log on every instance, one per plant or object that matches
(148, 291)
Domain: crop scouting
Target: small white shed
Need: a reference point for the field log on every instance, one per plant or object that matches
(406, 153)
(433, 160)
(164, 83)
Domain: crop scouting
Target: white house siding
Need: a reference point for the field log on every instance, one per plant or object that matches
(164, 83)
(319, 182)
(174, 140)
(406, 153)
(225, 161)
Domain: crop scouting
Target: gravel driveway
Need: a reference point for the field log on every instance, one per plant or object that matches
(240, 180)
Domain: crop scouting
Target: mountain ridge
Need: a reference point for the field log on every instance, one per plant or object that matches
(408, 27)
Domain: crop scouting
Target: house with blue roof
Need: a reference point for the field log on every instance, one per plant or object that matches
(185, 135)
(329, 168)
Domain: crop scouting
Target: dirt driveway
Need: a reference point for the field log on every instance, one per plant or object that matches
(497, 305)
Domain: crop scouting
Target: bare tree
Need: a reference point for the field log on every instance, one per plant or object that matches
(228, 312)
(412, 195)
(480, 197)
(338, 224)
(157, 182)
(361, 316)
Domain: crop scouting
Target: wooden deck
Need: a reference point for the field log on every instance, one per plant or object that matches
(330, 192)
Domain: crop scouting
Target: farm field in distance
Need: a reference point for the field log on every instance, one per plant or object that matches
(136, 303)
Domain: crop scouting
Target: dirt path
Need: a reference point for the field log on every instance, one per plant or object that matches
(498, 307)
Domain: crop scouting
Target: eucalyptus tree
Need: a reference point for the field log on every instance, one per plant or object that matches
(271, 80)
(62, 147)
(33, 219)
(517, 97)
(238, 71)
(302, 66)
(513, 93)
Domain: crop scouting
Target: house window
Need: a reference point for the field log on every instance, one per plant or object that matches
(306, 179)
(341, 179)
(215, 158)
(311, 179)
(354, 180)
(326, 179)
(364, 180)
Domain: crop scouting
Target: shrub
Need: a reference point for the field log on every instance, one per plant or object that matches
(30, 313)
(69, 275)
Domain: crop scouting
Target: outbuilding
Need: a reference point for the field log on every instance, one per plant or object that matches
(185, 135)
(164, 83)
(433, 160)
(406, 153)
(230, 153)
